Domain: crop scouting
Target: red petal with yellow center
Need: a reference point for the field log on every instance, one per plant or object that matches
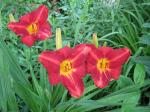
(33, 24)
(62, 67)
(107, 57)
(101, 80)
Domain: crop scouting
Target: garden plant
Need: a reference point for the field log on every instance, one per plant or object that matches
(75, 56)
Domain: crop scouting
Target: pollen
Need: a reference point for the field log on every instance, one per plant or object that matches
(103, 65)
(66, 68)
(32, 28)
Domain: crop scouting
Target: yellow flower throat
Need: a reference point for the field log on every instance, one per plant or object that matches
(66, 68)
(32, 28)
(103, 65)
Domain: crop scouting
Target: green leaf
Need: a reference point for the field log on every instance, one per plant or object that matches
(36, 102)
(146, 25)
(144, 60)
(7, 94)
(130, 103)
(145, 39)
(124, 81)
(136, 109)
(139, 74)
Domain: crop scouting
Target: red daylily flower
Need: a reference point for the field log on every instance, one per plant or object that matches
(32, 26)
(105, 63)
(67, 66)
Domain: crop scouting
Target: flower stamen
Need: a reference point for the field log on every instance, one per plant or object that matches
(32, 28)
(66, 68)
(103, 65)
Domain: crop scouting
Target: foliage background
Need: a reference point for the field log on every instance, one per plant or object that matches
(23, 81)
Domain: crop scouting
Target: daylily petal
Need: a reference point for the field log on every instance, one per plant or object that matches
(85, 45)
(119, 56)
(50, 60)
(93, 57)
(28, 40)
(61, 65)
(65, 51)
(18, 28)
(40, 14)
(100, 80)
(103, 52)
(74, 84)
(77, 59)
(115, 72)
(80, 70)
(54, 78)
(44, 31)
(25, 18)
(85, 48)
(92, 69)
(34, 24)
(97, 53)
(105, 64)
(80, 53)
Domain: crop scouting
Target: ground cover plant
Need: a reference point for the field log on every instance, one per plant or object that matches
(75, 56)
